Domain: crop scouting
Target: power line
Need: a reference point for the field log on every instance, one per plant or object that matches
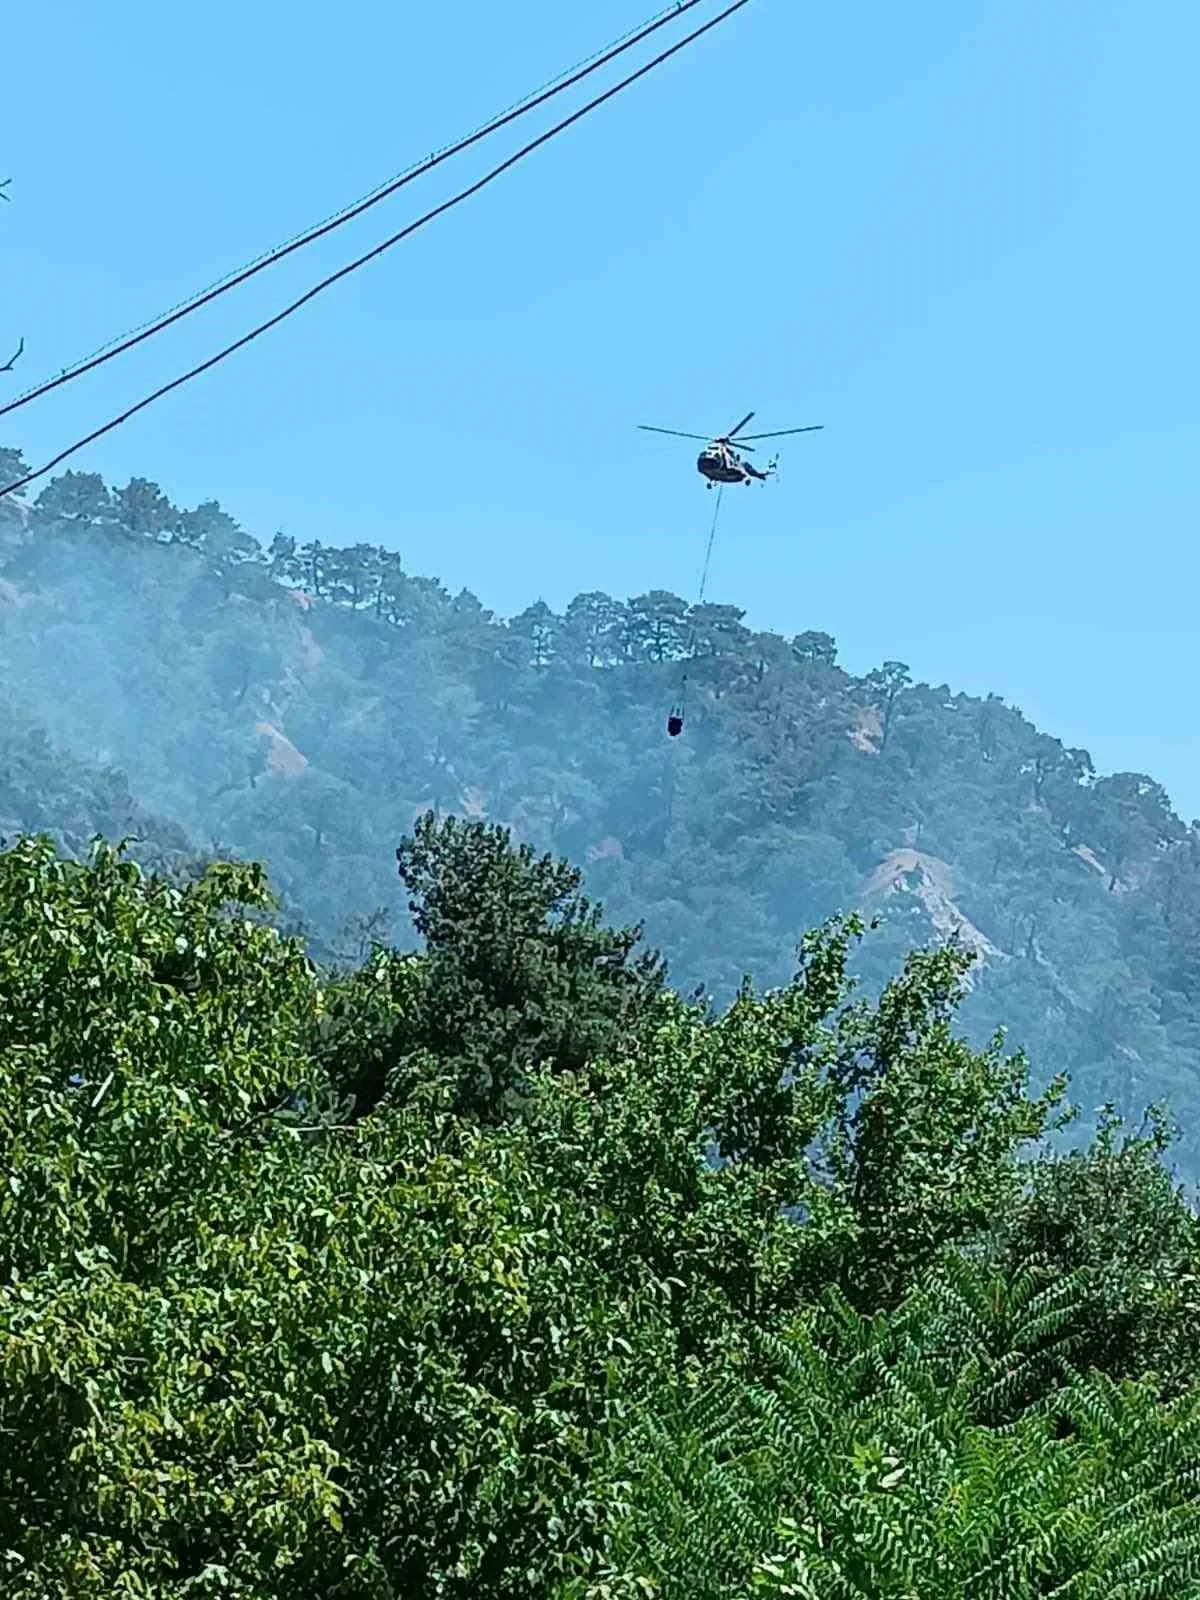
(342, 272)
(147, 330)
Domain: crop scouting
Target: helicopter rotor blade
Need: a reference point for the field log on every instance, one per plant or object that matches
(816, 427)
(740, 425)
(646, 428)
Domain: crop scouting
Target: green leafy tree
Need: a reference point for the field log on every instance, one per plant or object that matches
(353, 576)
(815, 648)
(1109, 1216)
(718, 629)
(312, 559)
(927, 1140)
(1136, 821)
(537, 627)
(12, 465)
(693, 1149)
(143, 509)
(214, 531)
(592, 629)
(75, 497)
(656, 626)
(519, 966)
(577, 1342)
(883, 688)
(283, 559)
(1176, 890)
(247, 1349)
(867, 1460)
(151, 1460)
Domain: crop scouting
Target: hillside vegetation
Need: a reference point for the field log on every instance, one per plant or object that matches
(498, 1271)
(302, 705)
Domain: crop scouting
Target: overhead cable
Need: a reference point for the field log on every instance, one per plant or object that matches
(353, 266)
(539, 97)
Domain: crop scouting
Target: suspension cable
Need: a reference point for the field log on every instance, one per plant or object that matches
(342, 272)
(539, 97)
(690, 654)
(712, 533)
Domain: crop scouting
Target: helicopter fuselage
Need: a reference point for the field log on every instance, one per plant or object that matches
(722, 465)
(719, 461)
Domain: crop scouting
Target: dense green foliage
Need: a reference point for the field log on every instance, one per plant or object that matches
(301, 706)
(886, 1457)
(671, 1301)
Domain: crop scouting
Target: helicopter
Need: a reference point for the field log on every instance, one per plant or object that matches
(719, 461)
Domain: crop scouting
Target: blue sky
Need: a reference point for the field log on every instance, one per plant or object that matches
(963, 235)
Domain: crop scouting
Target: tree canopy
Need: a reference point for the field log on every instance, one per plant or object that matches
(693, 1301)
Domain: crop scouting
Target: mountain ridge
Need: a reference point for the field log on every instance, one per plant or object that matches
(304, 705)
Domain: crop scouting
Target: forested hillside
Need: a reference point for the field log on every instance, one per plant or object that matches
(301, 706)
